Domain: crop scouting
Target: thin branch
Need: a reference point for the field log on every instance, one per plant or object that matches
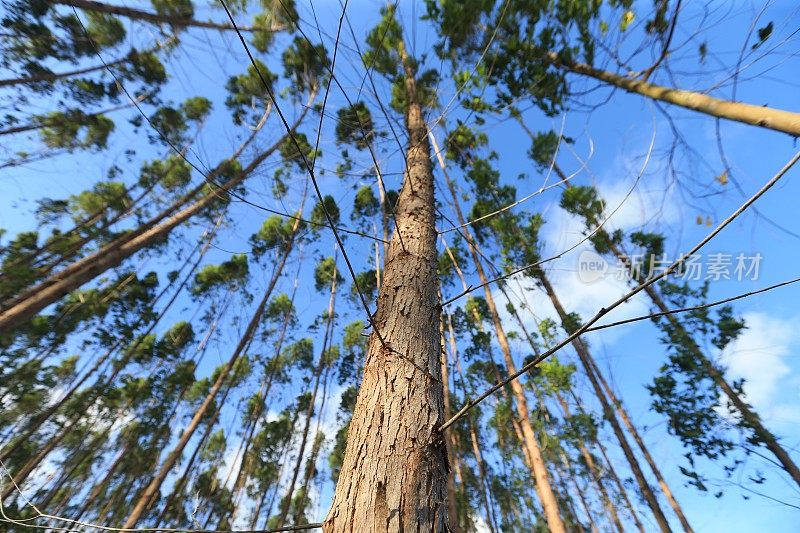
(696, 307)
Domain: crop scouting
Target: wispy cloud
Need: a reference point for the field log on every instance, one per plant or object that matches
(759, 356)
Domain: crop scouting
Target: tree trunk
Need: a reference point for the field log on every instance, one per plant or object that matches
(287, 501)
(749, 416)
(594, 472)
(473, 435)
(586, 360)
(155, 18)
(542, 482)
(452, 498)
(623, 414)
(241, 476)
(394, 473)
(764, 117)
(24, 307)
(154, 486)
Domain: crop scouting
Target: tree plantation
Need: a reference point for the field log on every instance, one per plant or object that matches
(431, 266)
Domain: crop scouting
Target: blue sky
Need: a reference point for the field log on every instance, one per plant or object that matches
(611, 144)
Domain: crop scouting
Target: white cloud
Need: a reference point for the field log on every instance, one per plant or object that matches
(759, 356)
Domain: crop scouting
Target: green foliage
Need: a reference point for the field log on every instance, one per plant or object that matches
(367, 283)
(104, 30)
(172, 173)
(279, 308)
(175, 340)
(181, 9)
(354, 351)
(298, 150)
(459, 22)
(246, 88)
(426, 83)
(196, 108)
(365, 204)
(74, 130)
(231, 273)
(169, 125)
(572, 323)
(324, 274)
(328, 205)
(144, 66)
(461, 144)
(275, 233)
(543, 149)
(685, 390)
(354, 126)
(105, 195)
(652, 245)
(305, 64)
(584, 202)
(277, 14)
(300, 353)
(382, 44)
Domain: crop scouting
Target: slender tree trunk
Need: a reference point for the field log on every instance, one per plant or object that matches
(586, 360)
(155, 18)
(452, 498)
(244, 466)
(543, 487)
(623, 414)
(154, 486)
(394, 473)
(38, 258)
(284, 464)
(24, 307)
(287, 501)
(100, 488)
(36, 422)
(79, 459)
(473, 435)
(21, 475)
(764, 117)
(594, 472)
(40, 419)
(749, 416)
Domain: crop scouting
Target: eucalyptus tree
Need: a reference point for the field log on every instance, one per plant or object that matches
(529, 440)
(400, 400)
(690, 374)
(222, 376)
(306, 72)
(326, 274)
(530, 255)
(164, 447)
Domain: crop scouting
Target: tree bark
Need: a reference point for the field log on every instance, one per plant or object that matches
(394, 473)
